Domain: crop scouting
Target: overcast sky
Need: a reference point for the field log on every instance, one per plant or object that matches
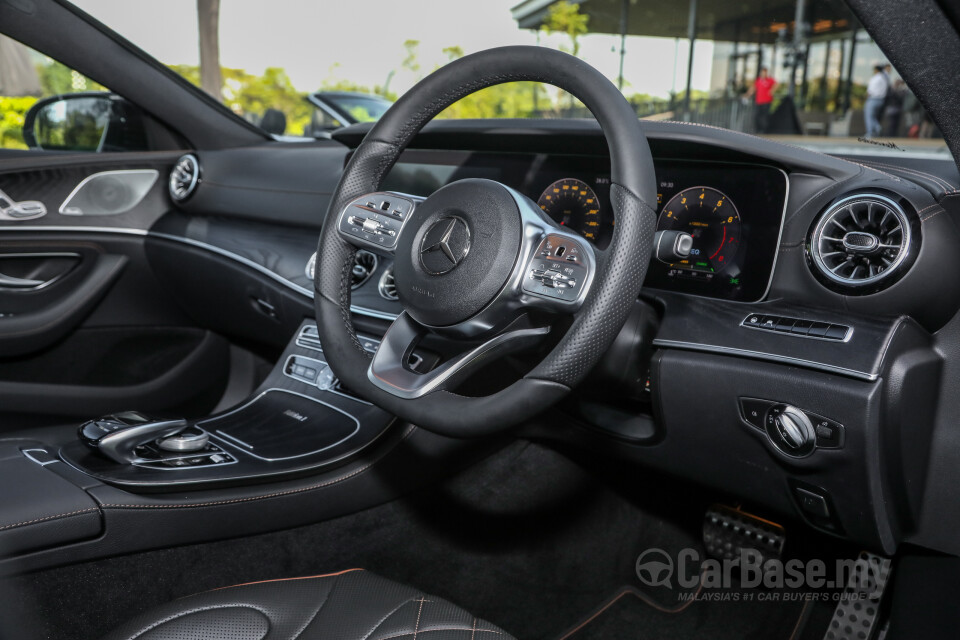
(362, 40)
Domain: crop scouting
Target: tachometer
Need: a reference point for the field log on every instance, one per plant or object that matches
(573, 204)
(713, 221)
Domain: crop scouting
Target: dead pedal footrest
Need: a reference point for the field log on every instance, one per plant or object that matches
(858, 608)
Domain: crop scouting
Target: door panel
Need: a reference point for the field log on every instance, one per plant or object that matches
(85, 326)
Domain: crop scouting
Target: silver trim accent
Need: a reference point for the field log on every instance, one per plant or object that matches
(188, 443)
(847, 337)
(159, 465)
(74, 229)
(9, 281)
(379, 197)
(236, 440)
(25, 210)
(321, 365)
(26, 454)
(513, 298)
(310, 270)
(119, 445)
(191, 184)
(382, 286)
(140, 191)
(770, 357)
(218, 435)
(830, 217)
(388, 371)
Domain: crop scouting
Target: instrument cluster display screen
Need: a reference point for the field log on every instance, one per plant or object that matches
(734, 212)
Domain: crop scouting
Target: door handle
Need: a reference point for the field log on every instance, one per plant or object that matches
(10, 282)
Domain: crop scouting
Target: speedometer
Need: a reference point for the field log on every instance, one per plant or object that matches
(712, 219)
(573, 204)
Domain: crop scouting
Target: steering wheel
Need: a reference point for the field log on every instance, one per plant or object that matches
(476, 260)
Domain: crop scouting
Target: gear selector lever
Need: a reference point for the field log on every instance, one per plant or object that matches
(117, 436)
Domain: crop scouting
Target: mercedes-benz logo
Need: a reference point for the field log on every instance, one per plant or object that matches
(444, 246)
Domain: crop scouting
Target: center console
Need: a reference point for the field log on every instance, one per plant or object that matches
(299, 420)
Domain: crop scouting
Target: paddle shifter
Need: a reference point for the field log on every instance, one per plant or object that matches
(118, 436)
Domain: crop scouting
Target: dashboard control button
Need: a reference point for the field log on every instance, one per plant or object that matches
(557, 276)
(754, 411)
(818, 329)
(811, 503)
(785, 324)
(801, 327)
(768, 322)
(830, 435)
(837, 332)
(753, 320)
(790, 430)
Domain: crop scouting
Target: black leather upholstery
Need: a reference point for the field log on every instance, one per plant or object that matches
(621, 268)
(351, 605)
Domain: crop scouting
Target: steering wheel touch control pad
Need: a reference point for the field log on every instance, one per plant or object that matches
(559, 270)
(375, 220)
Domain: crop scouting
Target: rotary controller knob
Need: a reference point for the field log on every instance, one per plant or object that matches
(791, 430)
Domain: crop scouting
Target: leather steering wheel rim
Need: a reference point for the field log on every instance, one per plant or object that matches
(620, 272)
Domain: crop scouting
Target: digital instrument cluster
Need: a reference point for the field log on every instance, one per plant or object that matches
(734, 212)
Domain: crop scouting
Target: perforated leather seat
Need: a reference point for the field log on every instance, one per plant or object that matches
(351, 605)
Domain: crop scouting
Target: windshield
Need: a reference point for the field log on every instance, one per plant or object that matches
(803, 71)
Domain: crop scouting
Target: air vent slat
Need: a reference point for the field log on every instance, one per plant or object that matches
(364, 266)
(184, 177)
(388, 286)
(875, 244)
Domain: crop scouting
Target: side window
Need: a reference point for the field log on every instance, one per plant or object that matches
(45, 105)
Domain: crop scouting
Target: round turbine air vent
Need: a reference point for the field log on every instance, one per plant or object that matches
(388, 286)
(364, 265)
(184, 177)
(862, 243)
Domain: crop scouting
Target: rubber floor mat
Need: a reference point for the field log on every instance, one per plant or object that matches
(631, 613)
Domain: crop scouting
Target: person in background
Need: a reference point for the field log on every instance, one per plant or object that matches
(893, 108)
(762, 92)
(877, 90)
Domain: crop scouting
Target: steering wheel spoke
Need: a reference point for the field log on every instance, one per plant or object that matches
(554, 272)
(390, 370)
(375, 220)
(479, 262)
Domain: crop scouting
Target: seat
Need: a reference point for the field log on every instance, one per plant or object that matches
(350, 605)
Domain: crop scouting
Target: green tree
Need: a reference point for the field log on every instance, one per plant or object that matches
(510, 100)
(250, 96)
(453, 52)
(410, 62)
(565, 17)
(12, 113)
(57, 79)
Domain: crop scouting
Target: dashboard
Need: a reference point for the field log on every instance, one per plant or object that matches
(745, 322)
(733, 211)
